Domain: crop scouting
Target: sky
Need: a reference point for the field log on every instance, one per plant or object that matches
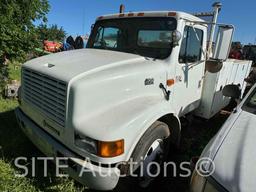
(77, 16)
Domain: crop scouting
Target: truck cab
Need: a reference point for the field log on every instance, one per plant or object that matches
(153, 35)
(118, 99)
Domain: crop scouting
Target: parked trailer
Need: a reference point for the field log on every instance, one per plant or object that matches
(122, 97)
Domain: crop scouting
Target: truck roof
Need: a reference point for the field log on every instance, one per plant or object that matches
(176, 14)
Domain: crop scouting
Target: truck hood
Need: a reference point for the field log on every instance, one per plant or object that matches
(68, 64)
(235, 158)
(108, 92)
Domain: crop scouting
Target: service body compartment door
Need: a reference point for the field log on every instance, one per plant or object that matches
(233, 72)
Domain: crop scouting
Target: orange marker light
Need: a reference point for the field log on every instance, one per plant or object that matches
(130, 14)
(110, 149)
(172, 14)
(121, 15)
(170, 82)
(140, 14)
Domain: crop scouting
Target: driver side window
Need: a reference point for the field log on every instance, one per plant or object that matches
(106, 37)
(191, 46)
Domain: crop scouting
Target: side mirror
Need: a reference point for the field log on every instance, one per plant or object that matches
(176, 36)
(213, 65)
(223, 42)
(232, 91)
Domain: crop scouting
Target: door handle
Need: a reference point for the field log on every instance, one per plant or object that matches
(166, 93)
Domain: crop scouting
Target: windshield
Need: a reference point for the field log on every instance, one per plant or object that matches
(148, 37)
(250, 104)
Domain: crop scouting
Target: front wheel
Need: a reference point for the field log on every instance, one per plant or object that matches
(149, 154)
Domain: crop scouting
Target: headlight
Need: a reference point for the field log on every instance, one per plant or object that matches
(201, 184)
(86, 143)
(101, 148)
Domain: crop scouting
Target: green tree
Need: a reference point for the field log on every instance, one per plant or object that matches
(52, 33)
(17, 30)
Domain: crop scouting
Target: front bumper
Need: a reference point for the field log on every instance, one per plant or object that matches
(95, 177)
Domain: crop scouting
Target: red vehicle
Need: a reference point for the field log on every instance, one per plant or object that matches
(52, 46)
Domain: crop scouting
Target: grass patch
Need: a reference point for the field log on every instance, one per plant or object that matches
(13, 143)
(14, 69)
(7, 104)
(10, 183)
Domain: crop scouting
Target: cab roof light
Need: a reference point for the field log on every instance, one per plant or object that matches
(140, 14)
(130, 14)
(172, 14)
(110, 148)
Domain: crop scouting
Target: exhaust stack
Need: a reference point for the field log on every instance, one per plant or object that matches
(216, 9)
(122, 8)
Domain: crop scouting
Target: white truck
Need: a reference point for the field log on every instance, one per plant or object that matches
(121, 98)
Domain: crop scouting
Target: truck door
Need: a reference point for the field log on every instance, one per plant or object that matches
(190, 69)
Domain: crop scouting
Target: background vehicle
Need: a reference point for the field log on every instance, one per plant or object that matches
(232, 151)
(249, 52)
(122, 98)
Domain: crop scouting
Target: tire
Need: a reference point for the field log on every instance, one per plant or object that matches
(144, 153)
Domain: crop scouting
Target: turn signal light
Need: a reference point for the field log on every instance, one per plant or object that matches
(110, 149)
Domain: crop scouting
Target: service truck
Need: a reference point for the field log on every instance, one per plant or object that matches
(121, 98)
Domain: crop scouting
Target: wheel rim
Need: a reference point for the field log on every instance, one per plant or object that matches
(154, 154)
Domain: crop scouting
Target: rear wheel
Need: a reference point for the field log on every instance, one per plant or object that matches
(150, 153)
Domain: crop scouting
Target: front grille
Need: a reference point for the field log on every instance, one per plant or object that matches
(45, 93)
